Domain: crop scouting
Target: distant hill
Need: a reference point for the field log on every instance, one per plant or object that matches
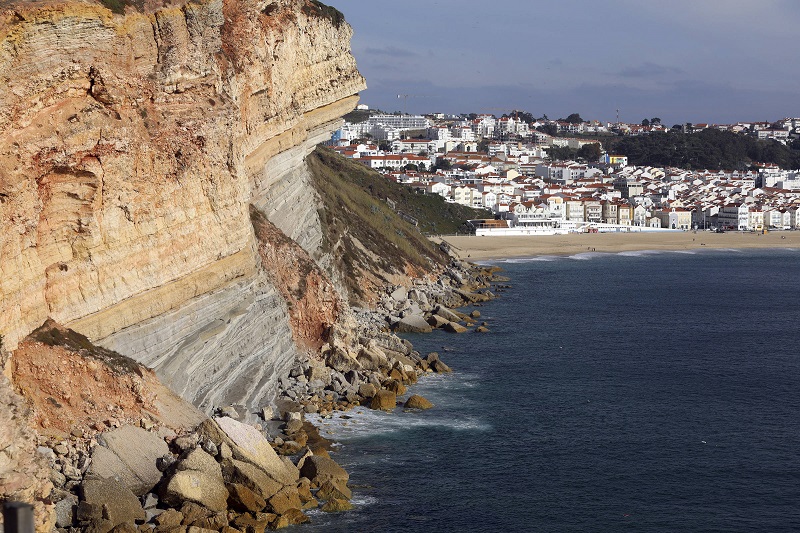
(707, 149)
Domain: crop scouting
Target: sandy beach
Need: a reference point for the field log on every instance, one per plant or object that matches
(485, 248)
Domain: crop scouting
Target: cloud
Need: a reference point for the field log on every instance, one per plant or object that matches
(649, 70)
(391, 51)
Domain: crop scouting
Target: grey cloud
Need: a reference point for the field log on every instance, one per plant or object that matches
(649, 70)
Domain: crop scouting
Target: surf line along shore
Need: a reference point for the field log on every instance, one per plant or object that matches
(484, 248)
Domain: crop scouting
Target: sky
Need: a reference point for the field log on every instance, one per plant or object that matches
(700, 61)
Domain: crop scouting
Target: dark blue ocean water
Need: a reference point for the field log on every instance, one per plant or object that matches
(625, 392)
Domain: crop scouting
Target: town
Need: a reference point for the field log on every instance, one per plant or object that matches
(511, 166)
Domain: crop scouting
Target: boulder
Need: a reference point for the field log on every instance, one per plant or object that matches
(199, 487)
(447, 314)
(117, 503)
(475, 314)
(242, 499)
(320, 469)
(367, 390)
(200, 461)
(481, 329)
(412, 324)
(417, 402)
(295, 517)
(454, 327)
(371, 357)
(437, 321)
(440, 367)
(287, 498)
(341, 361)
(396, 387)
(335, 506)
(384, 400)
(333, 489)
(65, 511)
(250, 445)
(129, 454)
(400, 294)
(252, 478)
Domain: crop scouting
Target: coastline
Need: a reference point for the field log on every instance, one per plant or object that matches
(473, 248)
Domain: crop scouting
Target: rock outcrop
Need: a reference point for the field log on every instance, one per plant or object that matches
(132, 148)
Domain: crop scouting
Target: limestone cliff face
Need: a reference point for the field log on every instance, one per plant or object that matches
(131, 149)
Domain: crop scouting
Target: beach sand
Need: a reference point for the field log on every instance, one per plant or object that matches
(484, 248)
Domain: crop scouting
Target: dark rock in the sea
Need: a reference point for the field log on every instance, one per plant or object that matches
(117, 503)
(431, 357)
(475, 314)
(417, 402)
(481, 329)
(440, 367)
(336, 506)
(384, 400)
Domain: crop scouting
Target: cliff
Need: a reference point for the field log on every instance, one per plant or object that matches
(137, 140)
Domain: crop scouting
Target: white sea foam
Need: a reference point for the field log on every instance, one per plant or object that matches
(585, 256)
(366, 422)
(639, 253)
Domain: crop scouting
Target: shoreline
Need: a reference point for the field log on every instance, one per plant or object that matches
(472, 248)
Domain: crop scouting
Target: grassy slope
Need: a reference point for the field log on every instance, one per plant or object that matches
(355, 214)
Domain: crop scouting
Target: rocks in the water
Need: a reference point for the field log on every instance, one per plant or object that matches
(412, 324)
(396, 387)
(335, 505)
(251, 446)
(319, 469)
(417, 402)
(454, 327)
(475, 314)
(439, 367)
(383, 400)
(333, 489)
(481, 329)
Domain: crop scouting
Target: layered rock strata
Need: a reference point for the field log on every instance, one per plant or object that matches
(132, 147)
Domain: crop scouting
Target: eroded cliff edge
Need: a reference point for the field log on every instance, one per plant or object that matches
(134, 147)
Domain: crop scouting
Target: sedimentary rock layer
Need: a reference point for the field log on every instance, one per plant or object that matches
(131, 148)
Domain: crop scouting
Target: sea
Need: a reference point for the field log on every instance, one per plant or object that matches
(636, 391)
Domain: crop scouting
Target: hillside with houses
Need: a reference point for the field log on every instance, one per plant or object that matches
(512, 167)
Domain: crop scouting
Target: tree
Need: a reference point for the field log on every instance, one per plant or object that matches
(550, 129)
(655, 121)
(442, 164)
(574, 118)
(483, 145)
(590, 152)
(645, 122)
(385, 146)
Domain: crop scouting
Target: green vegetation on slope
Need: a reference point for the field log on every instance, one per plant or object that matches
(707, 149)
(366, 238)
(434, 215)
